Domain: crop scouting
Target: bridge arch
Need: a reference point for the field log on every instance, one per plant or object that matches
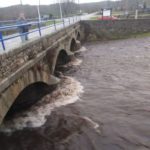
(78, 36)
(62, 59)
(30, 95)
(73, 45)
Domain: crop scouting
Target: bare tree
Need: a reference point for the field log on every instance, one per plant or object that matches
(69, 7)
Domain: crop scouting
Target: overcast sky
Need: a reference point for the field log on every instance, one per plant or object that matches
(4, 3)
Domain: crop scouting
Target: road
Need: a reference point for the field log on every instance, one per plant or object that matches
(16, 42)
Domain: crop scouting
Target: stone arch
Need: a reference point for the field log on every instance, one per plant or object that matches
(73, 45)
(62, 59)
(29, 96)
(78, 36)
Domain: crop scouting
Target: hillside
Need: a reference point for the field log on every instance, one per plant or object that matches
(67, 8)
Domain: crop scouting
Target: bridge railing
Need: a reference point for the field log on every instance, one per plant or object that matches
(10, 22)
(35, 27)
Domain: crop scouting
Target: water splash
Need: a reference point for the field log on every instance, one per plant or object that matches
(75, 62)
(91, 122)
(67, 93)
(82, 49)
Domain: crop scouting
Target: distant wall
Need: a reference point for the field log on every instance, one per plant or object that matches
(104, 30)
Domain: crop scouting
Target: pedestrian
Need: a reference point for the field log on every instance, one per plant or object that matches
(23, 27)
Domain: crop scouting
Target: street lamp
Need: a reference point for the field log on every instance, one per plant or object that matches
(38, 9)
(79, 6)
(61, 16)
(21, 2)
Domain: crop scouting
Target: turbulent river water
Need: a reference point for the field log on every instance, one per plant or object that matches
(101, 104)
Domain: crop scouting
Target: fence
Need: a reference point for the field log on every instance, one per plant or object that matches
(35, 27)
(8, 22)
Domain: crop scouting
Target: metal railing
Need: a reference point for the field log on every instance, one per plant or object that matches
(34, 27)
(8, 22)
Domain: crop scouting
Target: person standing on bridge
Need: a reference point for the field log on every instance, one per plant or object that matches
(23, 27)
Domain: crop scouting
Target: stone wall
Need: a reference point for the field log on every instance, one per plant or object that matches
(116, 29)
(11, 61)
(14, 59)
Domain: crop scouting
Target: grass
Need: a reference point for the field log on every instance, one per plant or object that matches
(117, 13)
(94, 18)
(143, 15)
(140, 35)
(134, 35)
(51, 22)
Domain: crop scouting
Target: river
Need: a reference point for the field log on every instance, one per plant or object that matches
(101, 104)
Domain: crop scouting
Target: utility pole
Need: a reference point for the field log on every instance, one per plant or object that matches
(126, 8)
(108, 6)
(126, 5)
(79, 6)
(21, 2)
(61, 16)
(38, 9)
(136, 11)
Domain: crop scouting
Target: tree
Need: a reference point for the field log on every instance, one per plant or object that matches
(69, 7)
(145, 5)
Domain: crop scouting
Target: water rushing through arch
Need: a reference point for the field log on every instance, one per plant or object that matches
(67, 92)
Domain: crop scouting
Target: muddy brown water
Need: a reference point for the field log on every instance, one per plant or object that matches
(113, 113)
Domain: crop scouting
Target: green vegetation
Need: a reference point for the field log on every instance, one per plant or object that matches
(144, 15)
(94, 18)
(140, 16)
(135, 35)
(51, 22)
(117, 13)
(140, 35)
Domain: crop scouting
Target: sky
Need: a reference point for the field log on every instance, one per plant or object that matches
(5, 3)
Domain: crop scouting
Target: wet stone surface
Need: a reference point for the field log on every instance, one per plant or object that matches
(113, 113)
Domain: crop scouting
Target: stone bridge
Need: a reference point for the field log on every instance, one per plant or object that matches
(30, 69)
(33, 65)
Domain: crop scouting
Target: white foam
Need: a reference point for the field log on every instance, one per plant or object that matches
(93, 124)
(68, 93)
(74, 62)
(82, 49)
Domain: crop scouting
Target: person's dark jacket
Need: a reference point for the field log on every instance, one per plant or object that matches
(22, 27)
